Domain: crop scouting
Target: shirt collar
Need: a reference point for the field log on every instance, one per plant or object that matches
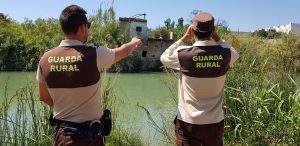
(205, 43)
(64, 43)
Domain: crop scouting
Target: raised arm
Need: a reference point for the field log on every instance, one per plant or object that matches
(126, 49)
(170, 57)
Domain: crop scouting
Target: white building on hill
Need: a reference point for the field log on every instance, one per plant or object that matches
(289, 28)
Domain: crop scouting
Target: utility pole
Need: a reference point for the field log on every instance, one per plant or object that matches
(138, 15)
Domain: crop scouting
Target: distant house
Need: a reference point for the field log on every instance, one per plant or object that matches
(152, 48)
(289, 28)
(137, 27)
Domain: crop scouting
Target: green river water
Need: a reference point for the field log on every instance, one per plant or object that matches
(132, 89)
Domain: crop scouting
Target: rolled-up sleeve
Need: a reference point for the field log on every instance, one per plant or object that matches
(105, 57)
(169, 58)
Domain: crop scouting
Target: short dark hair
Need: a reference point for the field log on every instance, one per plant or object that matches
(71, 18)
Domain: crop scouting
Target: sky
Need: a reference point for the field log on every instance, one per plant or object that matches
(240, 15)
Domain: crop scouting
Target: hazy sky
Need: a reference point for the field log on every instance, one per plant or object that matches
(243, 15)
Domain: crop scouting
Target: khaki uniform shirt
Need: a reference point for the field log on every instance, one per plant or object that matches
(72, 73)
(203, 68)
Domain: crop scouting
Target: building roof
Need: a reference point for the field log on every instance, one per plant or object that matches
(125, 19)
(155, 39)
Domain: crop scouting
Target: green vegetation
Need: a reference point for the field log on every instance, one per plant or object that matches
(24, 119)
(22, 44)
(269, 34)
(262, 97)
(180, 29)
(262, 102)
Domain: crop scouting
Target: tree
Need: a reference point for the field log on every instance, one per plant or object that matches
(269, 34)
(4, 18)
(169, 24)
(273, 34)
(222, 27)
(97, 18)
(180, 22)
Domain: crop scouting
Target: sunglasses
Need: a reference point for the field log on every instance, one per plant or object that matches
(88, 24)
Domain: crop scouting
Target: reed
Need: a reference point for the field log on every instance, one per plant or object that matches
(24, 119)
(262, 95)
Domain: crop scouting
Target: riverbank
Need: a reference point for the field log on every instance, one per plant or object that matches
(261, 100)
(129, 91)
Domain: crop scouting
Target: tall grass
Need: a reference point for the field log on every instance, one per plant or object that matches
(262, 103)
(24, 119)
(262, 97)
(119, 136)
(261, 111)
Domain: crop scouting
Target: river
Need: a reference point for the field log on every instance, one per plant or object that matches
(131, 89)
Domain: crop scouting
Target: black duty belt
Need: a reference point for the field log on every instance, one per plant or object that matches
(89, 129)
(57, 122)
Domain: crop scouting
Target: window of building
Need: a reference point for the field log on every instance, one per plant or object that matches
(144, 54)
(138, 29)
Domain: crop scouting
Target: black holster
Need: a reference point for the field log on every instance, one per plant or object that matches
(106, 122)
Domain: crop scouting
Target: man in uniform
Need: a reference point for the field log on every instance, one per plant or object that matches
(68, 77)
(203, 68)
